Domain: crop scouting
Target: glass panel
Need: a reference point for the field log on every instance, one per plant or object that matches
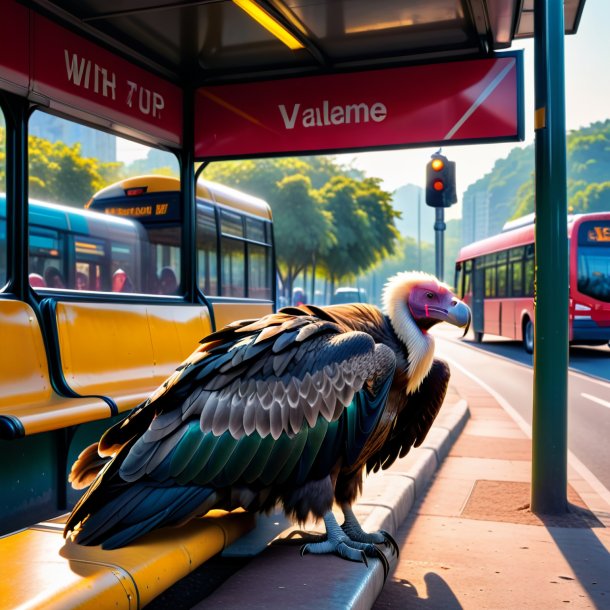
(516, 254)
(114, 206)
(207, 244)
(594, 272)
(467, 277)
(490, 282)
(529, 271)
(233, 268)
(459, 277)
(3, 242)
(231, 224)
(517, 279)
(255, 230)
(47, 264)
(259, 272)
(501, 272)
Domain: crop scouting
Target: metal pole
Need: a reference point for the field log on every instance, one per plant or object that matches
(439, 227)
(549, 424)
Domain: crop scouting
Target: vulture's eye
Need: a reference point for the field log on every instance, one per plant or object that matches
(429, 295)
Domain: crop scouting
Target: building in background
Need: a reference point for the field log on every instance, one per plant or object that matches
(94, 143)
(483, 214)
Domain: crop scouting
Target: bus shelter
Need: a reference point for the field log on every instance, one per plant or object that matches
(221, 79)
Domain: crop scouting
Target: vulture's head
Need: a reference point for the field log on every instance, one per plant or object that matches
(414, 302)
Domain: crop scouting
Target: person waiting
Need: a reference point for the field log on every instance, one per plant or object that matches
(53, 278)
(121, 282)
(168, 284)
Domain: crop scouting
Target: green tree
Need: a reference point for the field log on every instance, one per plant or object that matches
(377, 205)
(355, 249)
(59, 174)
(302, 228)
(594, 198)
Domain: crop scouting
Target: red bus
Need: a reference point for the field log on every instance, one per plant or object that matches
(495, 276)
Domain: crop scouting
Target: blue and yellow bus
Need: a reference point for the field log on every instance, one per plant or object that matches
(234, 241)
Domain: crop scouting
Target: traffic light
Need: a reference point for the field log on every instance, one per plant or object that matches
(440, 182)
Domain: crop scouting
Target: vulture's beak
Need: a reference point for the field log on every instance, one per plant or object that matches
(459, 315)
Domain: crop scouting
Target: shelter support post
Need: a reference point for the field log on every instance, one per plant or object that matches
(439, 239)
(549, 422)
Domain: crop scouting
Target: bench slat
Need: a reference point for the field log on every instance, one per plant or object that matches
(28, 403)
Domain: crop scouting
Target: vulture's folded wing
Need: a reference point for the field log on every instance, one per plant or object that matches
(414, 421)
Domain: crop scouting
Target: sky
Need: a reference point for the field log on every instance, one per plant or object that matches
(587, 100)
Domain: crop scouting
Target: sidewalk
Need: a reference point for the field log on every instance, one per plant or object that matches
(471, 541)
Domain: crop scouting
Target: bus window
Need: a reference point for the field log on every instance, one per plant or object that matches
(501, 271)
(46, 258)
(529, 271)
(458, 280)
(207, 246)
(489, 263)
(515, 274)
(467, 278)
(95, 250)
(594, 260)
(233, 255)
(233, 268)
(3, 241)
(259, 259)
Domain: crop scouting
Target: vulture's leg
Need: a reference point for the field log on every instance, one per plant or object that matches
(339, 543)
(352, 528)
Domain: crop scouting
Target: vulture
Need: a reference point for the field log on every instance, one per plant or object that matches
(289, 409)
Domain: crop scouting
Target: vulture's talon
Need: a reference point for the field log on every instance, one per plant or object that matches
(364, 559)
(384, 563)
(389, 541)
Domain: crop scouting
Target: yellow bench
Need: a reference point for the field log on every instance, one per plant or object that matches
(28, 402)
(42, 570)
(123, 351)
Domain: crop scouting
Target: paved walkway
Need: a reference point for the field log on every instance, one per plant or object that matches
(471, 541)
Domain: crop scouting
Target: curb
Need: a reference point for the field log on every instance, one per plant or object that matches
(278, 576)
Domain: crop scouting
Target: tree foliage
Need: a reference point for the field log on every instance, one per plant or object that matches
(303, 234)
(349, 224)
(511, 180)
(59, 174)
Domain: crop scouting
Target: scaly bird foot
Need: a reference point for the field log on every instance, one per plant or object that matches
(355, 532)
(340, 543)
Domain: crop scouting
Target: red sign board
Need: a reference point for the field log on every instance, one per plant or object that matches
(460, 101)
(83, 78)
(14, 51)
(76, 72)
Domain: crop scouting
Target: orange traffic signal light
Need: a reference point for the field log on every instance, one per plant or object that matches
(437, 164)
(440, 182)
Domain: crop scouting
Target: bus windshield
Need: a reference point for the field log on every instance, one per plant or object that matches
(594, 260)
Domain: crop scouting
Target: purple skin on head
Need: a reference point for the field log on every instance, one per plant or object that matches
(430, 304)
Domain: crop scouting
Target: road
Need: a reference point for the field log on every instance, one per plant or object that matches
(506, 368)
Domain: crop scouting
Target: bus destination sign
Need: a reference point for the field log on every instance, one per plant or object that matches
(145, 211)
(599, 234)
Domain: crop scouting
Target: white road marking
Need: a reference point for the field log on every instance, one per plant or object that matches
(599, 401)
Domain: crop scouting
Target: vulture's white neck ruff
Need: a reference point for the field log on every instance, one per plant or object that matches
(420, 345)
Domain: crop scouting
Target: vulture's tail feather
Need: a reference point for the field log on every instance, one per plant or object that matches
(141, 508)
